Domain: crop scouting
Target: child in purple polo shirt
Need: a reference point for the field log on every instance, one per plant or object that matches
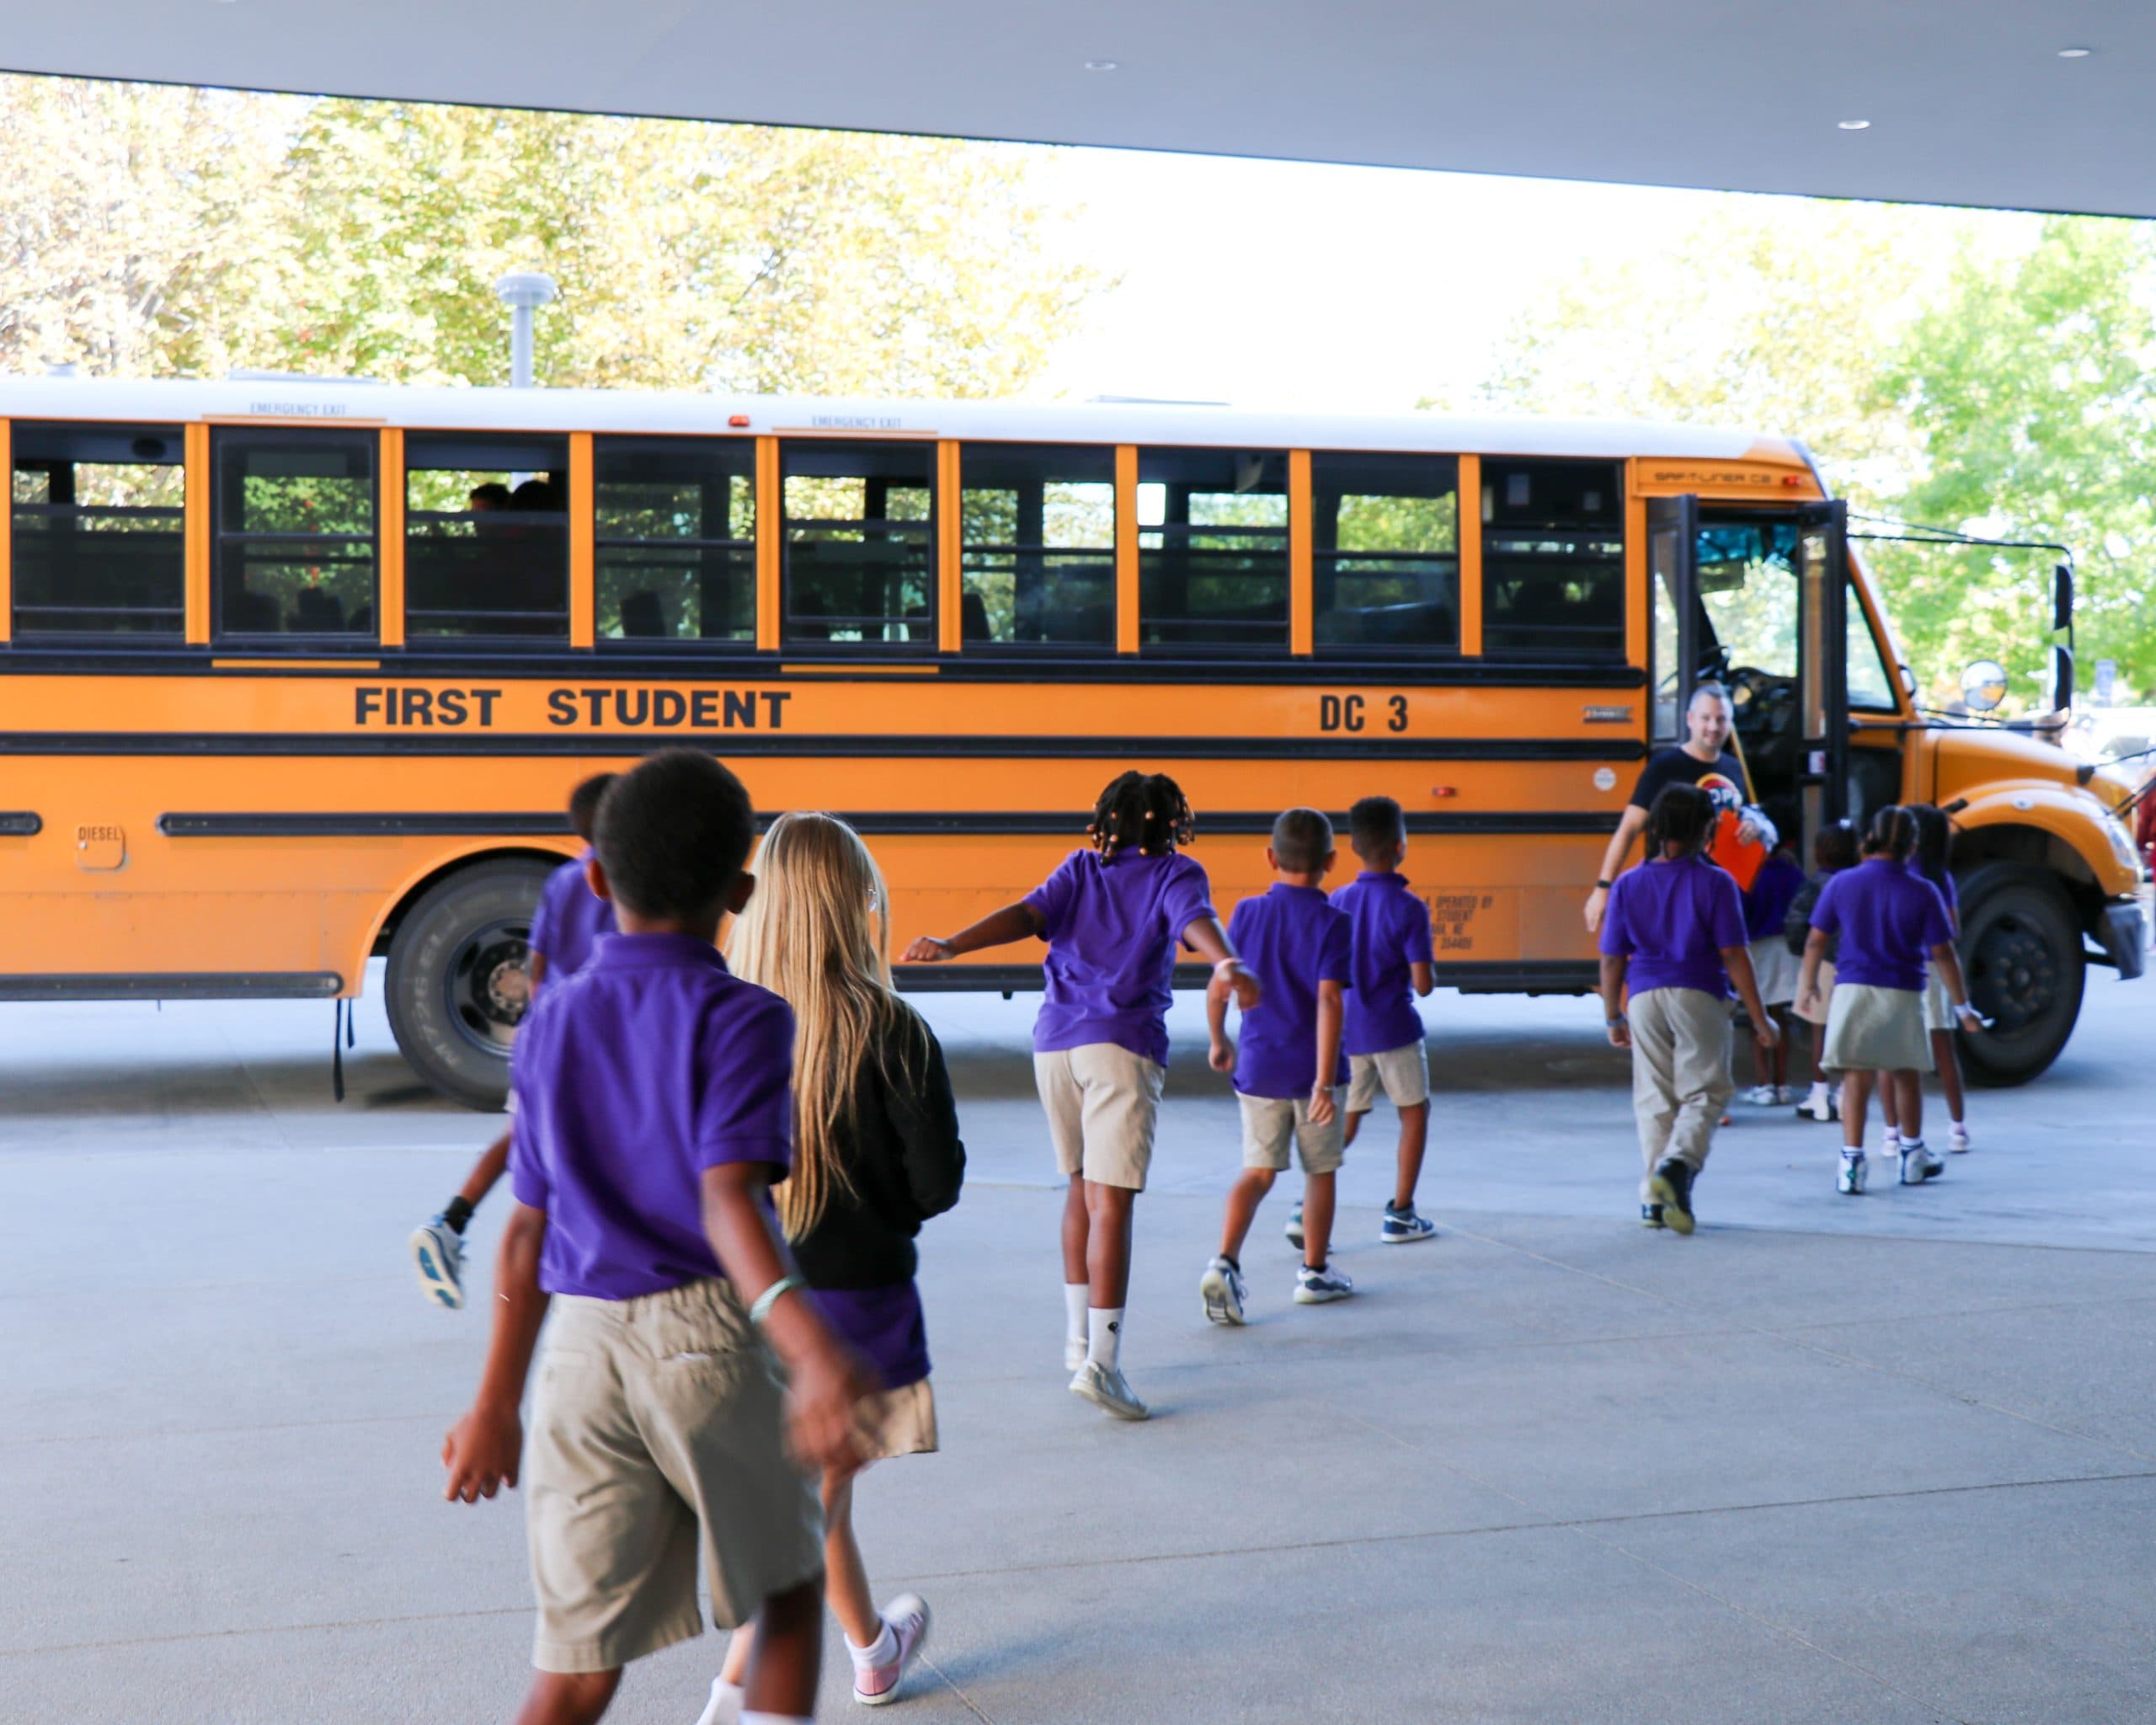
(569, 919)
(1673, 935)
(1383, 1033)
(1111, 916)
(1301, 949)
(1930, 859)
(876, 1154)
(1767, 900)
(1889, 919)
(654, 1111)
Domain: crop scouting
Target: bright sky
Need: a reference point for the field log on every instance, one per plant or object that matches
(1302, 286)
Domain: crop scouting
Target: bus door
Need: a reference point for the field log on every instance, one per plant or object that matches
(1822, 568)
(1675, 642)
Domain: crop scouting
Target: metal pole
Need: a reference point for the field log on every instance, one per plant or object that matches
(523, 291)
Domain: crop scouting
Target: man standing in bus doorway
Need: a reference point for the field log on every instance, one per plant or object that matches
(1708, 722)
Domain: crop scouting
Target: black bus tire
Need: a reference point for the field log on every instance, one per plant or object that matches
(2021, 954)
(452, 999)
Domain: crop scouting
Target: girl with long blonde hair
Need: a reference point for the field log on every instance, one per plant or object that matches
(876, 1154)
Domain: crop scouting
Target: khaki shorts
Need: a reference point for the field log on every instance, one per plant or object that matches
(1269, 1122)
(1403, 1073)
(895, 1423)
(1102, 1102)
(656, 1438)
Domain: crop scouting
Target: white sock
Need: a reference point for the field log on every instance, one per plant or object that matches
(1104, 1334)
(879, 1652)
(724, 1707)
(1074, 1311)
(777, 1719)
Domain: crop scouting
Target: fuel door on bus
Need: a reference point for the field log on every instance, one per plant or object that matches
(99, 846)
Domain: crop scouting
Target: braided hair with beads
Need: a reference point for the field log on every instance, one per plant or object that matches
(1144, 812)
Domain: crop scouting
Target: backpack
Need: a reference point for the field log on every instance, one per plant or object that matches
(1796, 926)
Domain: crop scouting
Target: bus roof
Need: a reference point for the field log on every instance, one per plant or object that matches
(334, 401)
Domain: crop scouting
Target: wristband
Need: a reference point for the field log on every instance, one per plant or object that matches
(1602, 886)
(771, 1296)
(1612, 1023)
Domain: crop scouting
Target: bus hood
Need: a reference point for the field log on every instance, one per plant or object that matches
(2005, 778)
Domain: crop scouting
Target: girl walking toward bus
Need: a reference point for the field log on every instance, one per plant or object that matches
(1833, 849)
(876, 1154)
(1767, 900)
(1935, 847)
(1888, 918)
(1111, 916)
(1674, 936)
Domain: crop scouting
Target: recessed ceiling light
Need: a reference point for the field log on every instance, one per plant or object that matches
(2075, 53)
(1853, 125)
(1100, 65)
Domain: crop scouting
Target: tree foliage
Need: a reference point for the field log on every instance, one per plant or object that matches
(148, 232)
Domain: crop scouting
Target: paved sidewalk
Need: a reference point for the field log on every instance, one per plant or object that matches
(1879, 1460)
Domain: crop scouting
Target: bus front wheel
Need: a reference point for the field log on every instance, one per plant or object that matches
(457, 985)
(2022, 951)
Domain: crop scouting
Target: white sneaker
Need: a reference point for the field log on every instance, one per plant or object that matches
(1957, 1139)
(438, 1258)
(1106, 1389)
(1784, 1096)
(1294, 1231)
(1221, 1289)
(908, 1618)
(1763, 1096)
(1919, 1164)
(724, 1707)
(1853, 1172)
(1818, 1104)
(1321, 1287)
(1073, 1353)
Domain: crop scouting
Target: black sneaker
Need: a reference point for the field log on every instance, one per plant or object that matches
(1650, 1216)
(1671, 1184)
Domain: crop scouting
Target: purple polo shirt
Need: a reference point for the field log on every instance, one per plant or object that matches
(1889, 920)
(885, 1326)
(1391, 936)
(1111, 927)
(570, 918)
(1292, 939)
(1672, 920)
(1773, 890)
(649, 1065)
(1947, 890)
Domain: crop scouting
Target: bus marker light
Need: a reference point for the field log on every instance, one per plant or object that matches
(1443, 791)
(737, 419)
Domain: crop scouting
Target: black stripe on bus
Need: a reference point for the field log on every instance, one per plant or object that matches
(997, 824)
(176, 985)
(392, 663)
(22, 825)
(1564, 976)
(745, 745)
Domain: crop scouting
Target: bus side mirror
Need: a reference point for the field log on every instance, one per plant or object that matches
(1983, 686)
(2061, 679)
(2062, 597)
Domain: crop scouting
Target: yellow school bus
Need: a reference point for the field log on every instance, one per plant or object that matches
(296, 674)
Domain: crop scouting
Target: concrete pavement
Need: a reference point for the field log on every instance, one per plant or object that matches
(1884, 1460)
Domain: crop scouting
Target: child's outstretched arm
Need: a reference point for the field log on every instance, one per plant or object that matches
(483, 1449)
(822, 1380)
(1330, 1011)
(1613, 999)
(1222, 1056)
(1738, 961)
(1208, 940)
(999, 928)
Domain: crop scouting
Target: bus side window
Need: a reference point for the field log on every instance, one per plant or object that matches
(1386, 552)
(1553, 559)
(99, 531)
(1039, 537)
(860, 543)
(1212, 550)
(675, 536)
(294, 528)
(486, 535)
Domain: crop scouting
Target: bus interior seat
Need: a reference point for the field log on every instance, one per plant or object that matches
(316, 612)
(973, 616)
(644, 616)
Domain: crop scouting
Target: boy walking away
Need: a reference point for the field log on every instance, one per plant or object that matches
(1833, 849)
(1300, 949)
(570, 921)
(876, 1154)
(1112, 917)
(654, 1112)
(1391, 956)
(1767, 900)
(1888, 918)
(1674, 935)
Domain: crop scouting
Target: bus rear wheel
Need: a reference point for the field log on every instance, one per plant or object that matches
(2022, 951)
(457, 983)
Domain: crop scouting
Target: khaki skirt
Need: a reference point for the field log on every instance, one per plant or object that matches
(1873, 1029)
(895, 1423)
(1826, 992)
(1938, 1010)
(1776, 968)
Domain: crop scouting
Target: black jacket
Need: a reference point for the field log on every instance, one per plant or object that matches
(901, 1152)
